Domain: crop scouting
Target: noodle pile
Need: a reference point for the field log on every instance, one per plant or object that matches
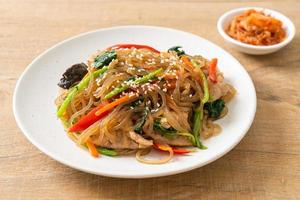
(169, 100)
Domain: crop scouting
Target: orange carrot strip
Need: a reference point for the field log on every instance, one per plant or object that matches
(187, 62)
(92, 149)
(212, 70)
(191, 67)
(112, 105)
(165, 147)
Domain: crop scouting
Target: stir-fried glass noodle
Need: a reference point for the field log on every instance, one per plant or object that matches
(131, 98)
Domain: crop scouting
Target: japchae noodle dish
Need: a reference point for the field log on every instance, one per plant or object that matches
(132, 98)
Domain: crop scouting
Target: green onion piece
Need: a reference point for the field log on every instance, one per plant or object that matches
(198, 113)
(79, 87)
(107, 152)
(205, 88)
(104, 59)
(190, 136)
(116, 91)
(205, 84)
(197, 125)
(140, 80)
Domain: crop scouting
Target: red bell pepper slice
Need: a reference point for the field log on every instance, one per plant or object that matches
(137, 46)
(89, 119)
(212, 70)
(181, 151)
(162, 147)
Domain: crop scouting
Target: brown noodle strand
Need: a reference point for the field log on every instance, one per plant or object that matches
(139, 156)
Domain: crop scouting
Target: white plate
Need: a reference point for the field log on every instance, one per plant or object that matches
(34, 109)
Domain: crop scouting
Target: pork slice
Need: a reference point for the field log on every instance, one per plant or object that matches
(142, 142)
(177, 141)
(122, 141)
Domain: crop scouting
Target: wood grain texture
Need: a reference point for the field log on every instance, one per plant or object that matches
(265, 165)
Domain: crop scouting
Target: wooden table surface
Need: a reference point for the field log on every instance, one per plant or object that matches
(265, 165)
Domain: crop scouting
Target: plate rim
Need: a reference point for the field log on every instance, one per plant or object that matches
(120, 175)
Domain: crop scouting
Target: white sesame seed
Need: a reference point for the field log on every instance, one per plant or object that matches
(155, 110)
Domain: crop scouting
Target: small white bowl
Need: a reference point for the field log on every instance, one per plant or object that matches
(227, 17)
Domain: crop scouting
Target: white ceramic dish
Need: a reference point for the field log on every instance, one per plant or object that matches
(34, 95)
(227, 17)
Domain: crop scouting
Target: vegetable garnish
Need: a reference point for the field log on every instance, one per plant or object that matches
(140, 123)
(113, 104)
(198, 112)
(212, 70)
(214, 108)
(107, 152)
(188, 63)
(191, 67)
(197, 125)
(178, 49)
(92, 149)
(88, 119)
(167, 132)
(170, 132)
(205, 87)
(181, 151)
(137, 102)
(190, 136)
(104, 59)
(79, 87)
(203, 83)
(137, 81)
(163, 147)
(129, 46)
(198, 119)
